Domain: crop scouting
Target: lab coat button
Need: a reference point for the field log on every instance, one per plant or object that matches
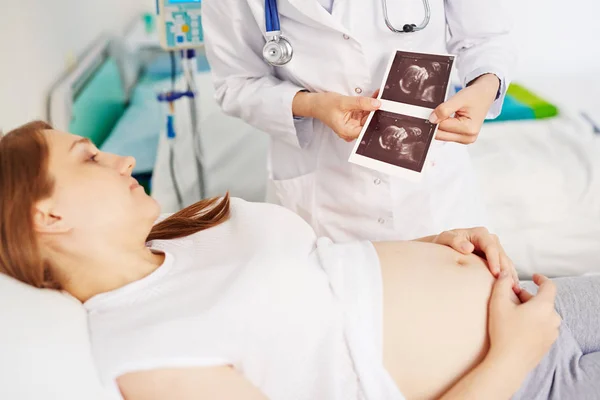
(358, 90)
(346, 37)
(381, 221)
(377, 181)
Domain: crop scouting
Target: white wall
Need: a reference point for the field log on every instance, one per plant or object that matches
(556, 37)
(38, 37)
(558, 45)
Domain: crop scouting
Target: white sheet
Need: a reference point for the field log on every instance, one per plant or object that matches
(541, 184)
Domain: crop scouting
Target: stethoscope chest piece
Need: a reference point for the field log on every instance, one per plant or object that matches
(278, 51)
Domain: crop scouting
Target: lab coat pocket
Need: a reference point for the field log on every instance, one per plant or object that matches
(298, 195)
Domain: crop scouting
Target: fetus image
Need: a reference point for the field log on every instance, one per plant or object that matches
(420, 80)
(396, 139)
(404, 141)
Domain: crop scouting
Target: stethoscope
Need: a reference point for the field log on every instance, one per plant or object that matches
(278, 50)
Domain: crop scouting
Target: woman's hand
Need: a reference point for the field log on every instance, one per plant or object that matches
(470, 107)
(345, 115)
(520, 335)
(487, 245)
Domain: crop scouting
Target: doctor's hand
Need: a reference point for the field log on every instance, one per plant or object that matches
(460, 118)
(485, 244)
(345, 115)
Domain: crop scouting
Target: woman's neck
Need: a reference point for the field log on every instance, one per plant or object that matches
(100, 271)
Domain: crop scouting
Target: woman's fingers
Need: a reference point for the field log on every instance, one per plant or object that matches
(489, 245)
(547, 289)
(507, 265)
(524, 296)
(480, 239)
(501, 291)
(516, 283)
(456, 239)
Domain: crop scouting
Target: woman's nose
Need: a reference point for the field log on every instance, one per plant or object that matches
(127, 165)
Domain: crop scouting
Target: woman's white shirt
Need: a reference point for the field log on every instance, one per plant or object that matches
(299, 317)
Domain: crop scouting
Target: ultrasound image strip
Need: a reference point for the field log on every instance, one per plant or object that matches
(396, 139)
(418, 79)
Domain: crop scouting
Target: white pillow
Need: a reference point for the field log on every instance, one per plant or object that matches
(45, 350)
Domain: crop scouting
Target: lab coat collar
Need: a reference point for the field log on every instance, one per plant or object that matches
(309, 12)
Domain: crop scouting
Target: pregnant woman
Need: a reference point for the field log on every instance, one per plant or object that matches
(234, 300)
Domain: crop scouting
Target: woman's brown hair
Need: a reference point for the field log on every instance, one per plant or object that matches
(25, 180)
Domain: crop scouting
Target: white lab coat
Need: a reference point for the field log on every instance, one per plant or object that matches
(347, 52)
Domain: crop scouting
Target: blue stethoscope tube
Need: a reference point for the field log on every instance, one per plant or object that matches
(278, 50)
(272, 16)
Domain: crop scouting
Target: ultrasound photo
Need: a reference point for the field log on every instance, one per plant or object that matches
(396, 139)
(418, 79)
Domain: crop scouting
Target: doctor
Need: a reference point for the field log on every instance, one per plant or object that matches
(314, 105)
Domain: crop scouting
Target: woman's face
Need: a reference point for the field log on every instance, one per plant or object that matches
(94, 191)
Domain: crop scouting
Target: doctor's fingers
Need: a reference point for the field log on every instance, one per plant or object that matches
(447, 109)
(461, 125)
(454, 137)
(350, 103)
(348, 133)
(364, 118)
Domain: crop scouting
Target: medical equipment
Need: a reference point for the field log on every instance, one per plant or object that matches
(278, 50)
(180, 24)
(180, 28)
(188, 58)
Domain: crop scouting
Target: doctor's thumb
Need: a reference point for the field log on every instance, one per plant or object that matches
(443, 112)
(361, 103)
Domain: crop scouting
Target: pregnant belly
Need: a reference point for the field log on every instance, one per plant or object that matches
(434, 315)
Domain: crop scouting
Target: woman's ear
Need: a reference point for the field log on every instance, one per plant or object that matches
(46, 221)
